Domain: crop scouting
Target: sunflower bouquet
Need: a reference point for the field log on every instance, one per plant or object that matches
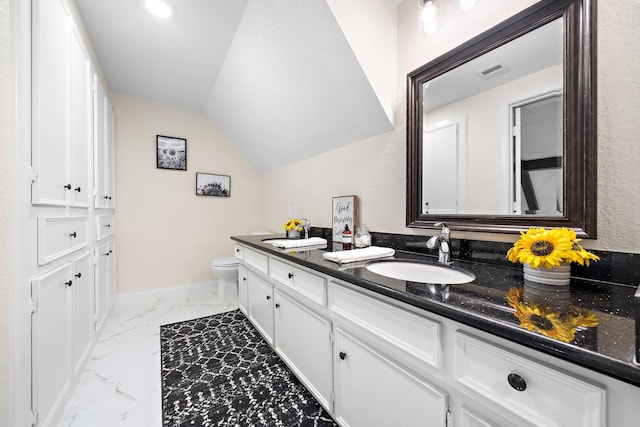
(540, 247)
(293, 224)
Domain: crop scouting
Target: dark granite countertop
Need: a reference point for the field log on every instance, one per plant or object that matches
(608, 348)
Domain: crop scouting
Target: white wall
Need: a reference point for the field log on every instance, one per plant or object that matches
(5, 185)
(165, 234)
(375, 169)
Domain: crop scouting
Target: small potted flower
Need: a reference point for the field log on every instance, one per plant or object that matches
(292, 228)
(547, 254)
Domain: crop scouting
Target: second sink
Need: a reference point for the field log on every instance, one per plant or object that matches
(421, 272)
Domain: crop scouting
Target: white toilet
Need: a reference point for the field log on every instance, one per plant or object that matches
(226, 270)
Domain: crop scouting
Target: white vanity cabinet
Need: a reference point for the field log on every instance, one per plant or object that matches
(261, 305)
(243, 289)
(371, 389)
(387, 363)
(303, 341)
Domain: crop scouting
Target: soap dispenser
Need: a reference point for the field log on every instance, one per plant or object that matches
(347, 238)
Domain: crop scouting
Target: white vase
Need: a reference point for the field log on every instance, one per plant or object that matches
(557, 276)
(293, 234)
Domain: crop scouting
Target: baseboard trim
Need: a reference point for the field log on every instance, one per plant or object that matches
(188, 290)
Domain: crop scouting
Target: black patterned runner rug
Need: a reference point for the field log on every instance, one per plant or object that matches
(219, 371)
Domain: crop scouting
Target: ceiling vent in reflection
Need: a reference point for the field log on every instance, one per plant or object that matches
(493, 71)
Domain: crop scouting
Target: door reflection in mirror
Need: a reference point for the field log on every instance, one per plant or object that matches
(537, 134)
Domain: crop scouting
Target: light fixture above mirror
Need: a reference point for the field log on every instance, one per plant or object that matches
(431, 10)
(535, 183)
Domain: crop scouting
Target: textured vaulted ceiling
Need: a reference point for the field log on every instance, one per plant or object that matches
(277, 77)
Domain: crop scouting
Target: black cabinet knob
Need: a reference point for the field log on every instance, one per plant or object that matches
(342, 355)
(517, 382)
(69, 283)
(268, 297)
(277, 305)
(78, 189)
(290, 275)
(74, 235)
(79, 275)
(244, 279)
(68, 186)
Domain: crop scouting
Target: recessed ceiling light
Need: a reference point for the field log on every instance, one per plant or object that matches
(159, 8)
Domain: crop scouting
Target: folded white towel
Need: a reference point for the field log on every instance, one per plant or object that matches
(372, 252)
(298, 243)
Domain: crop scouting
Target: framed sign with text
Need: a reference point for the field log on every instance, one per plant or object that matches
(344, 212)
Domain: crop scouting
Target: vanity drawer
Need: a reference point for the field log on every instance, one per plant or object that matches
(306, 284)
(61, 235)
(104, 227)
(533, 391)
(413, 338)
(256, 260)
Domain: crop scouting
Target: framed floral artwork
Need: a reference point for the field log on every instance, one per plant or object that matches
(171, 153)
(209, 184)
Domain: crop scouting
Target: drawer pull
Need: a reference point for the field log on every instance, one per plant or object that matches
(290, 275)
(108, 225)
(237, 251)
(68, 186)
(69, 283)
(78, 189)
(79, 275)
(268, 297)
(517, 382)
(244, 279)
(342, 355)
(277, 305)
(74, 235)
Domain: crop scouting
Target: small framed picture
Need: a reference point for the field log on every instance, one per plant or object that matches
(171, 153)
(344, 210)
(208, 184)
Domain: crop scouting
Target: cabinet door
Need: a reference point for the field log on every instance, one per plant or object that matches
(261, 305)
(373, 390)
(82, 310)
(243, 291)
(50, 340)
(81, 122)
(103, 147)
(303, 340)
(51, 88)
(104, 281)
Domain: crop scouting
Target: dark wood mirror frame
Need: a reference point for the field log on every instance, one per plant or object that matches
(580, 132)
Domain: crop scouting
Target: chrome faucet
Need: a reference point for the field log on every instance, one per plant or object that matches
(306, 225)
(442, 242)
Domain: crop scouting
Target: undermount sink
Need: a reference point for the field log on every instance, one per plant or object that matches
(420, 272)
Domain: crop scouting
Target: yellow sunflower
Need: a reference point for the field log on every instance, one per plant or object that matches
(540, 247)
(293, 224)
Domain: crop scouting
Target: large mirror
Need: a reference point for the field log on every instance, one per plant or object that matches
(501, 131)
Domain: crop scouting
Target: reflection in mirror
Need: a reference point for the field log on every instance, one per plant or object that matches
(494, 127)
(501, 130)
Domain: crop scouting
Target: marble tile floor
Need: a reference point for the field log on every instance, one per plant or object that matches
(121, 384)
